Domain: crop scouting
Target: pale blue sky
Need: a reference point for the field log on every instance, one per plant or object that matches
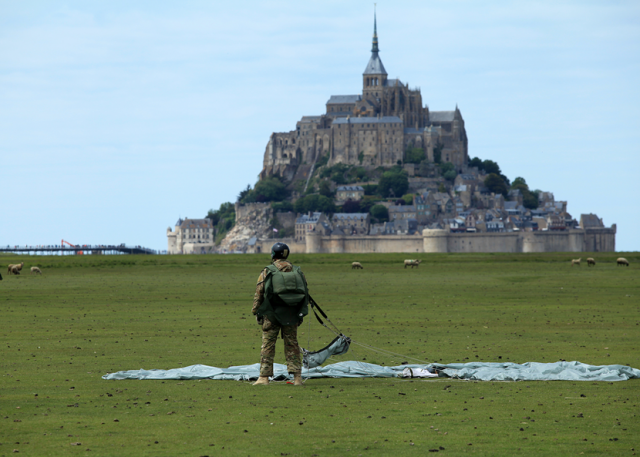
(118, 117)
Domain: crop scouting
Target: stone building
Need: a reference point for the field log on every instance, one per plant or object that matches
(310, 223)
(191, 236)
(345, 193)
(371, 129)
(351, 223)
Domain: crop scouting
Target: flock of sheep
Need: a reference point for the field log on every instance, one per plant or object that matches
(414, 263)
(591, 262)
(407, 263)
(17, 268)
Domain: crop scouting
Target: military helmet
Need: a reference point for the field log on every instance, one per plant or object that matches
(279, 251)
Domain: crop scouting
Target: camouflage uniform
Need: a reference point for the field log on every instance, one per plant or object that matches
(270, 331)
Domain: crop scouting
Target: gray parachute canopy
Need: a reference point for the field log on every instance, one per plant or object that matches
(339, 346)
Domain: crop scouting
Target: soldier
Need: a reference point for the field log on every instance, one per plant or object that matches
(279, 304)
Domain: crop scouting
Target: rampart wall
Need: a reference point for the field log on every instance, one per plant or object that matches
(447, 242)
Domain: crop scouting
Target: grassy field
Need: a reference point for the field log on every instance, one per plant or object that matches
(90, 315)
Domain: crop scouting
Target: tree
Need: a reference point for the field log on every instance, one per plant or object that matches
(437, 153)
(380, 213)
(325, 189)
(414, 155)
(266, 190)
(282, 207)
(367, 202)
(476, 162)
(491, 167)
(351, 206)
(222, 219)
(395, 182)
(496, 184)
(244, 193)
(450, 175)
(529, 199)
(408, 199)
(370, 189)
(314, 202)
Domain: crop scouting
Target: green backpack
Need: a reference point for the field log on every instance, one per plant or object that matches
(286, 297)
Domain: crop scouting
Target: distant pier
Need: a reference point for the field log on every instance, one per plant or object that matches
(89, 249)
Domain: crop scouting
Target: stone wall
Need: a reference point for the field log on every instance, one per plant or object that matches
(447, 242)
(263, 246)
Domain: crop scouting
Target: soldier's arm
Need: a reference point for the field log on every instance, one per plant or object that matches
(258, 297)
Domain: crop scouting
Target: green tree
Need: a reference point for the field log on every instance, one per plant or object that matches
(393, 182)
(223, 219)
(437, 153)
(414, 155)
(282, 207)
(450, 175)
(380, 213)
(242, 195)
(367, 202)
(496, 184)
(314, 202)
(491, 167)
(351, 206)
(269, 189)
(476, 162)
(325, 189)
(370, 189)
(408, 199)
(529, 199)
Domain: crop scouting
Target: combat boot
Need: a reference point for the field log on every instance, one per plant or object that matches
(297, 379)
(262, 381)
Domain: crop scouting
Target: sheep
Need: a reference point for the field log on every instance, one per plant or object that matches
(622, 261)
(35, 270)
(15, 270)
(411, 263)
(576, 261)
(16, 265)
(591, 261)
(356, 266)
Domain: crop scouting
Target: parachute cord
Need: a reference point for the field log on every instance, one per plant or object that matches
(388, 353)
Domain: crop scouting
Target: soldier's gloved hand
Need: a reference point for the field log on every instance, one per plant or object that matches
(260, 320)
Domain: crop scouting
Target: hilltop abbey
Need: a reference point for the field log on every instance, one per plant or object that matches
(371, 129)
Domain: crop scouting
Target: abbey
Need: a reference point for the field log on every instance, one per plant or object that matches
(371, 129)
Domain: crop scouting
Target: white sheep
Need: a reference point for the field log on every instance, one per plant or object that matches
(576, 261)
(591, 261)
(356, 266)
(622, 261)
(15, 270)
(411, 263)
(35, 270)
(15, 265)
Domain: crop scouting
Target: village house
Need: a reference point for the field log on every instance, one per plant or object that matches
(402, 212)
(345, 193)
(309, 223)
(351, 223)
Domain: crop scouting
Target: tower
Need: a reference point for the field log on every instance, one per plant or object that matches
(374, 77)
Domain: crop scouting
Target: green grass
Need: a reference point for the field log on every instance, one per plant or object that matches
(89, 315)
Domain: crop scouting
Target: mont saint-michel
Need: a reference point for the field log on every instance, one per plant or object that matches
(379, 171)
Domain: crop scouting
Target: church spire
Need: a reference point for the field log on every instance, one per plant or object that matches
(374, 47)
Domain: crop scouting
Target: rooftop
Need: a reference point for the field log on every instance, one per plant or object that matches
(340, 99)
(369, 120)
